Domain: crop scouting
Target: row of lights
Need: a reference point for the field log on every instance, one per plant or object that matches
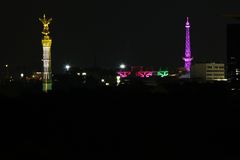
(84, 74)
(107, 84)
(122, 66)
(67, 66)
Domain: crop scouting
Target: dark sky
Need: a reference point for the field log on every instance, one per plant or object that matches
(149, 33)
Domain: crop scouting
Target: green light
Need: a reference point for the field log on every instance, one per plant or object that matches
(162, 73)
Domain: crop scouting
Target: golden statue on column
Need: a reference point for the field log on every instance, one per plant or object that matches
(45, 23)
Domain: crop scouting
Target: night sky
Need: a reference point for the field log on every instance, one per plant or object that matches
(134, 32)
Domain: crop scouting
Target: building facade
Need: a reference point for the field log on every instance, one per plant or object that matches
(233, 52)
(208, 71)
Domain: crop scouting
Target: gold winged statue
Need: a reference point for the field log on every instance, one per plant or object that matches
(45, 23)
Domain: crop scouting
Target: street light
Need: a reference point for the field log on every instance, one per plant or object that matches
(67, 67)
(122, 66)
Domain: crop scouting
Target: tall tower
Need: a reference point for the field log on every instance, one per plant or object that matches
(46, 43)
(187, 59)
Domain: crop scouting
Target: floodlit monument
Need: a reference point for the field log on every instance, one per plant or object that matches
(46, 43)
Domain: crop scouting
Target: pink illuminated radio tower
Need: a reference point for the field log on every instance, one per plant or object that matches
(187, 59)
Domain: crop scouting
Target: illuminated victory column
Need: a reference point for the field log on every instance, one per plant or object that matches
(187, 59)
(46, 43)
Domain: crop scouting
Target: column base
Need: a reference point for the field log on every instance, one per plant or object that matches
(47, 87)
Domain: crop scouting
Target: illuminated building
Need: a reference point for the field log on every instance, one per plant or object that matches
(208, 71)
(187, 59)
(233, 50)
(46, 43)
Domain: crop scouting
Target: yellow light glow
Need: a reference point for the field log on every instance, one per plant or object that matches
(46, 43)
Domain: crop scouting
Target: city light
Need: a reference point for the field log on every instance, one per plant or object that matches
(102, 80)
(107, 84)
(6, 65)
(22, 75)
(162, 73)
(122, 66)
(124, 74)
(67, 67)
(118, 80)
(78, 74)
(84, 73)
(144, 74)
(224, 79)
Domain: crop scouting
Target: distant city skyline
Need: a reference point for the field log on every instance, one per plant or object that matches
(131, 32)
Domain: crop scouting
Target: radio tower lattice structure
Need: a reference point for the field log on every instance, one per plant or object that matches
(187, 59)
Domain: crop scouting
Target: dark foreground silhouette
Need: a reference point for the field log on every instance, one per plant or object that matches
(187, 121)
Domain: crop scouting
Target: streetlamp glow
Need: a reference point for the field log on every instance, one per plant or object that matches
(67, 67)
(122, 66)
(22, 75)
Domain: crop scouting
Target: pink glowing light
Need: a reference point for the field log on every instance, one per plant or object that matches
(140, 74)
(187, 59)
(144, 74)
(124, 74)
